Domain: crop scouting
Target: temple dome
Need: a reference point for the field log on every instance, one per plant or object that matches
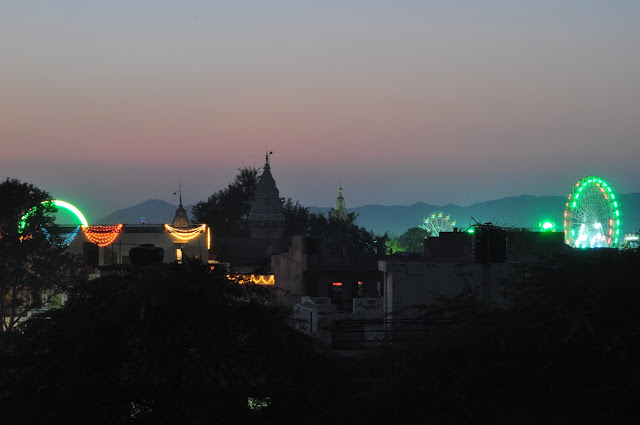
(181, 219)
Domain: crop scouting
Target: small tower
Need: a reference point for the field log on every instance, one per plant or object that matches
(341, 206)
(180, 219)
(266, 219)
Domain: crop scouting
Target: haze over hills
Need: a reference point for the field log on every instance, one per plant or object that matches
(519, 211)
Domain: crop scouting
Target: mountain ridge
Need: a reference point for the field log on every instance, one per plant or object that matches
(525, 211)
(156, 211)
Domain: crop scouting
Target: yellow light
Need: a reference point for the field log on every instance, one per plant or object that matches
(185, 234)
(208, 238)
(102, 235)
(257, 279)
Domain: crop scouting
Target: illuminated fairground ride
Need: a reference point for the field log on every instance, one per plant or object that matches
(592, 218)
(437, 222)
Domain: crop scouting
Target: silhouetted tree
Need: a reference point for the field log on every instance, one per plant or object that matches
(227, 211)
(296, 218)
(344, 236)
(183, 348)
(412, 240)
(30, 261)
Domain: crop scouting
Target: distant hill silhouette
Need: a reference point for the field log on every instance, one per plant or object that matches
(155, 210)
(518, 211)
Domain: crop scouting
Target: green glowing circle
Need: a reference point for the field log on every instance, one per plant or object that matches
(547, 225)
(58, 203)
(592, 215)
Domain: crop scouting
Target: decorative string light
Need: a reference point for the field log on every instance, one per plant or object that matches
(66, 238)
(59, 204)
(257, 279)
(102, 235)
(185, 234)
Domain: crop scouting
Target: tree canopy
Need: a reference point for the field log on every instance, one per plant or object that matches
(31, 261)
(174, 347)
(227, 211)
(410, 241)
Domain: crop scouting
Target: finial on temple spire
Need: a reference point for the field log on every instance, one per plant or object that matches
(341, 206)
(181, 219)
(179, 191)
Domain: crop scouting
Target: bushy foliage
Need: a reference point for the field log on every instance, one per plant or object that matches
(180, 347)
(344, 236)
(227, 211)
(29, 262)
(410, 241)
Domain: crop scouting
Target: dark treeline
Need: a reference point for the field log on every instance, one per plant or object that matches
(227, 214)
(191, 347)
(185, 345)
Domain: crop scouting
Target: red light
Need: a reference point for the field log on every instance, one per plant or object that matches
(337, 283)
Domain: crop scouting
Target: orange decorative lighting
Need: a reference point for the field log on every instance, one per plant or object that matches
(185, 234)
(257, 279)
(102, 235)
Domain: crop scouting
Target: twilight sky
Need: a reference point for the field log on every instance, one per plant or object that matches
(106, 104)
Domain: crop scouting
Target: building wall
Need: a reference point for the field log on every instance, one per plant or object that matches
(410, 285)
(306, 271)
(288, 269)
(118, 251)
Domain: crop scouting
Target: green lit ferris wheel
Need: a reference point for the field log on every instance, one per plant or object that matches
(592, 218)
(437, 222)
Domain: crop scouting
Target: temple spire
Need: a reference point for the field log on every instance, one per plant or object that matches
(181, 219)
(266, 218)
(341, 206)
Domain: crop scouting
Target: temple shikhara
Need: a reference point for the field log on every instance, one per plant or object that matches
(266, 219)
